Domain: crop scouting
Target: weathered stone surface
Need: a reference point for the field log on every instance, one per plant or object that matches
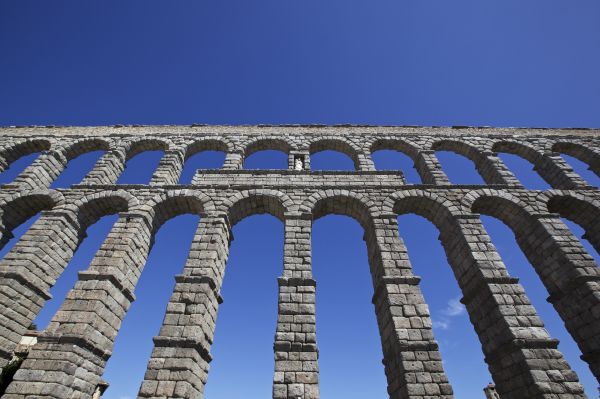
(70, 355)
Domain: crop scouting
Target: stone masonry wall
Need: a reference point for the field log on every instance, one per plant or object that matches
(69, 357)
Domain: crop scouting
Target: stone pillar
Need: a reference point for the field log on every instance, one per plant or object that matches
(523, 359)
(365, 162)
(296, 353)
(413, 365)
(107, 169)
(498, 172)
(28, 272)
(41, 173)
(69, 358)
(558, 173)
(572, 279)
(233, 160)
(169, 169)
(429, 168)
(180, 359)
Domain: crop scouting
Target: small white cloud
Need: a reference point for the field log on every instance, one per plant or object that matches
(125, 397)
(454, 308)
(441, 324)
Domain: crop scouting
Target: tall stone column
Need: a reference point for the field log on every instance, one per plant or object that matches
(28, 272)
(41, 173)
(558, 173)
(233, 161)
(523, 359)
(69, 358)
(430, 169)
(169, 169)
(180, 359)
(296, 353)
(107, 169)
(572, 278)
(498, 173)
(413, 364)
(365, 162)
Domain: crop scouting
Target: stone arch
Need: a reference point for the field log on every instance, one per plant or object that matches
(167, 205)
(358, 207)
(521, 149)
(267, 144)
(84, 146)
(580, 151)
(20, 207)
(423, 203)
(560, 261)
(136, 147)
(548, 167)
(336, 144)
(341, 202)
(403, 146)
(206, 145)
(94, 206)
(486, 169)
(579, 209)
(13, 152)
(519, 206)
(252, 202)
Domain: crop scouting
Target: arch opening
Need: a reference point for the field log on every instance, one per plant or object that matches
(459, 344)
(524, 171)
(331, 160)
(77, 168)
(459, 168)
(16, 167)
(172, 240)
(266, 159)
(518, 265)
(331, 154)
(583, 169)
(140, 168)
(207, 159)
(345, 316)
(19, 156)
(389, 159)
(18, 215)
(247, 318)
(583, 159)
(582, 218)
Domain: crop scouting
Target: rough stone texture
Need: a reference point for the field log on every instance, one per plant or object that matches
(69, 358)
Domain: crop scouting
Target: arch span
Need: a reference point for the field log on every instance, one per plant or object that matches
(485, 167)
(173, 203)
(16, 209)
(580, 209)
(579, 151)
(336, 144)
(136, 147)
(207, 145)
(13, 152)
(252, 202)
(84, 146)
(262, 144)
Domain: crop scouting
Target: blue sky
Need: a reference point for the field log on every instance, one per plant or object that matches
(509, 63)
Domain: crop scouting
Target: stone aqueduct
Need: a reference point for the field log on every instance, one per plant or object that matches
(70, 355)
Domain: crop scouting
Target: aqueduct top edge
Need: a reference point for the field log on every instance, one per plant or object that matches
(118, 130)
